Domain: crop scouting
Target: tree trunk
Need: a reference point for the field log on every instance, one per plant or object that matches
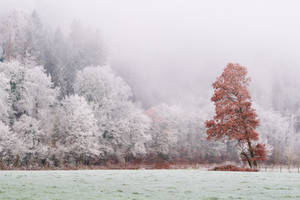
(252, 154)
(247, 158)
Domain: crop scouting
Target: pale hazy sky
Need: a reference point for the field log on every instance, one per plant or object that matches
(177, 47)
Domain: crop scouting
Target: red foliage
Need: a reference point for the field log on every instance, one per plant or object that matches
(233, 168)
(162, 165)
(235, 118)
(260, 152)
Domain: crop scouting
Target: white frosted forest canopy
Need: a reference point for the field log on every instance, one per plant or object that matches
(62, 104)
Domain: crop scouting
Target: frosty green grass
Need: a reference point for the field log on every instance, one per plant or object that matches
(146, 185)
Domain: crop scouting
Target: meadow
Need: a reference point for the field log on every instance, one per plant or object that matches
(147, 185)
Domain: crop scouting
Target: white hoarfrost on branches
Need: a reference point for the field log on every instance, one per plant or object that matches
(78, 129)
(21, 37)
(99, 85)
(40, 91)
(4, 104)
(27, 93)
(163, 131)
(178, 132)
(274, 130)
(7, 141)
(13, 34)
(29, 89)
(31, 143)
(121, 122)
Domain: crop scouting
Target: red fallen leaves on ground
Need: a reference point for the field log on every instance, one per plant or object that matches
(233, 168)
(162, 165)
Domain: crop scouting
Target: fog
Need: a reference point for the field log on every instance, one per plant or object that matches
(173, 50)
(112, 81)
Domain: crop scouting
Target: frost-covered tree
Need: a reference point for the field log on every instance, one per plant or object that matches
(30, 145)
(178, 135)
(78, 138)
(36, 38)
(130, 132)
(7, 145)
(40, 91)
(81, 48)
(12, 35)
(275, 130)
(30, 90)
(28, 96)
(163, 131)
(120, 122)
(17, 96)
(4, 94)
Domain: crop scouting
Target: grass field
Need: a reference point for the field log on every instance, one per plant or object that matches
(146, 185)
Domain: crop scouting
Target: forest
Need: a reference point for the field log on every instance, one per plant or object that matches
(63, 105)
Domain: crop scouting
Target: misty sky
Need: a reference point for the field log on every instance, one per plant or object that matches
(171, 49)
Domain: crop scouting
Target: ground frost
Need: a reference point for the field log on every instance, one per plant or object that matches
(147, 185)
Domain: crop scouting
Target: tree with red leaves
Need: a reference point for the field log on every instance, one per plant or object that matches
(235, 119)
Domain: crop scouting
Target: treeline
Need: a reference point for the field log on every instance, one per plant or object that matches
(97, 124)
(61, 105)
